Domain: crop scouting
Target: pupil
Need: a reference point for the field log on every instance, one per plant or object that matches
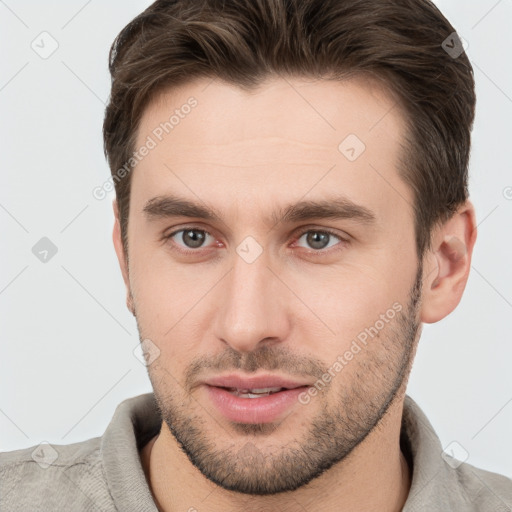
(318, 240)
(193, 238)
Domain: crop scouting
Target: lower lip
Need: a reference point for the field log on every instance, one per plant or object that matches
(253, 410)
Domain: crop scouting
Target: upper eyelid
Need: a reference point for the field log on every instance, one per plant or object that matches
(185, 228)
(298, 233)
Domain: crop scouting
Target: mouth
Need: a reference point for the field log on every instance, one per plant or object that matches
(254, 393)
(253, 400)
(261, 384)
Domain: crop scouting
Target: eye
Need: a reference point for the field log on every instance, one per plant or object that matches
(191, 238)
(320, 239)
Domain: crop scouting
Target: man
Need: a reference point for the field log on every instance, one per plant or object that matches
(291, 207)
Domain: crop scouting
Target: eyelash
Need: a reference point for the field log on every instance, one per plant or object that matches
(318, 252)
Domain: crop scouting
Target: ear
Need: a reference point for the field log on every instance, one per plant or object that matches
(121, 256)
(447, 264)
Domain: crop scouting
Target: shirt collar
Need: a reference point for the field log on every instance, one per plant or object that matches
(137, 420)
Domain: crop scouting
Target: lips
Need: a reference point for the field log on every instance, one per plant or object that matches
(254, 384)
(260, 399)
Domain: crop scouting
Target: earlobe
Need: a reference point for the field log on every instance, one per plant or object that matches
(449, 262)
(121, 256)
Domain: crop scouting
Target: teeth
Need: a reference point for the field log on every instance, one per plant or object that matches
(253, 393)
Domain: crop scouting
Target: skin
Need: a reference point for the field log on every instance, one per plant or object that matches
(293, 310)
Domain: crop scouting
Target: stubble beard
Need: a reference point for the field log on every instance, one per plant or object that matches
(254, 467)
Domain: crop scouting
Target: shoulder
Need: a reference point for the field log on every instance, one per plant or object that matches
(442, 482)
(54, 477)
(483, 489)
(461, 487)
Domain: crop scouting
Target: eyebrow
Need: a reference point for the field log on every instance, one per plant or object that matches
(336, 208)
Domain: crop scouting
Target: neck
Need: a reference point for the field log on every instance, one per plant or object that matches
(374, 477)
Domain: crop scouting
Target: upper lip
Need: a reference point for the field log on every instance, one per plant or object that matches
(253, 382)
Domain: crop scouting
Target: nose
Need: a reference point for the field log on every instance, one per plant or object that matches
(252, 306)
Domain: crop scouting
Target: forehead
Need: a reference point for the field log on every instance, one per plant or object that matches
(286, 139)
(307, 109)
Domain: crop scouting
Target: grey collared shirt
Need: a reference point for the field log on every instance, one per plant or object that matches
(105, 473)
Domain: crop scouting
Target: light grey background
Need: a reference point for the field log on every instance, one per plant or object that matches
(67, 341)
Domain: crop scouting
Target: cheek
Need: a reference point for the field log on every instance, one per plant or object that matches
(170, 302)
(157, 282)
(347, 299)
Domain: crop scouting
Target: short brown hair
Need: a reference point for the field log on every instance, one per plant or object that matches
(402, 43)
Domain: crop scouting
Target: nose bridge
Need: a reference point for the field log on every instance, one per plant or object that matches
(250, 308)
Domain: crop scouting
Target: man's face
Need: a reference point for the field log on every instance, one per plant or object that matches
(322, 305)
